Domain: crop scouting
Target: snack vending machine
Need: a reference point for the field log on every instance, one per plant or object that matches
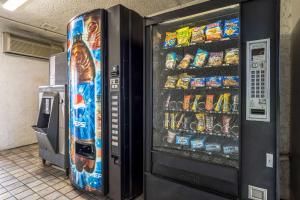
(105, 94)
(210, 101)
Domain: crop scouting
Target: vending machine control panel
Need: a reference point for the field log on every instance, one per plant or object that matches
(115, 110)
(258, 80)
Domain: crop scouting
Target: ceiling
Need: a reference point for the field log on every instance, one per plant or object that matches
(57, 13)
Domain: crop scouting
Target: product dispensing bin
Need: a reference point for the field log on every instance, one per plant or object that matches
(50, 128)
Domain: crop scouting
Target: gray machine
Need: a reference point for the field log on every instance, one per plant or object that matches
(51, 128)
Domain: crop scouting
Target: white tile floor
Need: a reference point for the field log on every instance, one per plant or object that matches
(22, 176)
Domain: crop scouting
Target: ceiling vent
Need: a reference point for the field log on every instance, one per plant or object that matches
(15, 44)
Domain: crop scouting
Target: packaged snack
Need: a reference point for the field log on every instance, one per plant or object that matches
(226, 124)
(209, 104)
(170, 40)
(183, 36)
(171, 137)
(166, 122)
(183, 140)
(232, 28)
(215, 59)
(198, 34)
(218, 106)
(173, 120)
(171, 60)
(231, 81)
(167, 102)
(215, 81)
(185, 62)
(186, 123)
(171, 82)
(200, 58)
(183, 81)
(235, 104)
(214, 31)
(198, 143)
(212, 147)
(230, 149)
(180, 121)
(201, 122)
(186, 102)
(232, 56)
(197, 82)
(195, 103)
(226, 104)
(209, 122)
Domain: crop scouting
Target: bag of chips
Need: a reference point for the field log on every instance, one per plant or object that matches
(226, 104)
(197, 83)
(171, 82)
(185, 62)
(226, 124)
(209, 122)
(198, 143)
(195, 103)
(232, 56)
(215, 59)
(170, 40)
(201, 122)
(214, 31)
(183, 36)
(180, 121)
(215, 81)
(198, 34)
(209, 104)
(232, 28)
(218, 107)
(231, 81)
(200, 58)
(186, 102)
(171, 59)
(183, 81)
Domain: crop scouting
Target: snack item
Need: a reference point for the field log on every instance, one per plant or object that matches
(171, 82)
(185, 62)
(171, 137)
(200, 58)
(215, 59)
(232, 28)
(201, 122)
(186, 123)
(232, 56)
(214, 31)
(183, 81)
(195, 103)
(179, 123)
(183, 140)
(186, 102)
(213, 147)
(197, 82)
(230, 149)
(198, 34)
(167, 102)
(166, 122)
(226, 124)
(173, 120)
(226, 104)
(215, 81)
(209, 104)
(183, 36)
(171, 60)
(170, 40)
(209, 123)
(218, 106)
(231, 81)
(235, 104)
(198, 143)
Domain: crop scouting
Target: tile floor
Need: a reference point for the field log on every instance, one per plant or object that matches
(22, 176)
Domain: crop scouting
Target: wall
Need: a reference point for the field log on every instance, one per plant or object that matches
(290, 16)
(19, 81)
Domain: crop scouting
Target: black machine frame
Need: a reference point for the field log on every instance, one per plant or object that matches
(165, 174)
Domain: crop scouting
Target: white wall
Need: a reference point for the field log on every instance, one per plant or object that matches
(19, 81)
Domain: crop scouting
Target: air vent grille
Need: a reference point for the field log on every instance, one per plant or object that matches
(29, 47)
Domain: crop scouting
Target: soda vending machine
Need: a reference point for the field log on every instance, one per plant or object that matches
(105, 93)
(211, 88)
